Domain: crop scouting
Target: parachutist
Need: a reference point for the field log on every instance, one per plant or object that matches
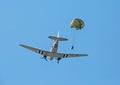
(72, 47)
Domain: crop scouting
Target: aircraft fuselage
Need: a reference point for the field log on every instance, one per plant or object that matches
(54, 49)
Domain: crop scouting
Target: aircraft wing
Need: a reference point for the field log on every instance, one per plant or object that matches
(42, 52)
(62, 55)
(47, 53)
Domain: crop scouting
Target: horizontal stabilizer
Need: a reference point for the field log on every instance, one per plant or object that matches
(57, 38)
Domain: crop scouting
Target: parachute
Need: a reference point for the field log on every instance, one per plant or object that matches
(77, 24)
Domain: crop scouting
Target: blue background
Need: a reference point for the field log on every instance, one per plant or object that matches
(30, 22)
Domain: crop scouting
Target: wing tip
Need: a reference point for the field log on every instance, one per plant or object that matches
(21, 45)
(85, 55)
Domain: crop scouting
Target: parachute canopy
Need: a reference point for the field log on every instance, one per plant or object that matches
(77, 24)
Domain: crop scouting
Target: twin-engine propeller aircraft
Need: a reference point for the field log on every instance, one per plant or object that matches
(53, 52)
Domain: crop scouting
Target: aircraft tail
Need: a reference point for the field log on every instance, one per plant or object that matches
(57, 38)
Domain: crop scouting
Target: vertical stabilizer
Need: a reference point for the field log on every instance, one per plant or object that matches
(58, 35)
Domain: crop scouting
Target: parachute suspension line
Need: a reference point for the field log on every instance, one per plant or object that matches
(73, 40)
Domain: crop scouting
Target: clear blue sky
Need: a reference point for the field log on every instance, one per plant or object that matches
(30, 22)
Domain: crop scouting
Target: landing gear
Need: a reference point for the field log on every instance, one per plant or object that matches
(44, 57)
(58, 59)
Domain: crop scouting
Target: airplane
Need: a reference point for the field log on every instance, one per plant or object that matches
(53, 52)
